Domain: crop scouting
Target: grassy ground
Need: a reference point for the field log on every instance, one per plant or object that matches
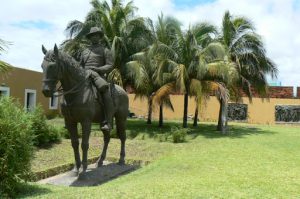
(251, 162)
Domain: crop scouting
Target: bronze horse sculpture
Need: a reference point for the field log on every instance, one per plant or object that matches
(80, 104)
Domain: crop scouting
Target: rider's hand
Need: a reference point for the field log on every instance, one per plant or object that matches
(93, 68)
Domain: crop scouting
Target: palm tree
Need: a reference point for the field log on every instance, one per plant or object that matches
(142, 71)
(199, 69)
(188, 47)
(164, 37)
(246, 53)
(125, 34)
(4, 67)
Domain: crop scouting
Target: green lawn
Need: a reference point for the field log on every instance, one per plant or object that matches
(251, 162)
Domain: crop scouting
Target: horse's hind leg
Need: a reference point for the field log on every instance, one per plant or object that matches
(86, 130)
(106, 139)
(121, 126)
(72, 128)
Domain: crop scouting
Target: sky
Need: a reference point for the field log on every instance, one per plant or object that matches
(28, 24)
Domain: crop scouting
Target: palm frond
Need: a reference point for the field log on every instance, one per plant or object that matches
(4, 67)
(115, 77)
(180, 74)
(73, 28)
(163, 92)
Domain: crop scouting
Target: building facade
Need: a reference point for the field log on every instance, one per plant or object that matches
(26, 87)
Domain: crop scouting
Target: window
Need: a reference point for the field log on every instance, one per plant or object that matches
(53, 103)
(30, 99)
(4, 91)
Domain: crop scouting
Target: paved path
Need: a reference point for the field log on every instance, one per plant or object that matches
(93, 176)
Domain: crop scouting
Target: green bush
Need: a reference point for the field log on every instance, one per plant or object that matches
(179, 135)
(43, 133)
(64, 132)
(16, 148)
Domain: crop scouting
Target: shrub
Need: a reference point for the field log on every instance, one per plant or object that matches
(16, 148)
(63, 132)
(43, 133)
(179, 135)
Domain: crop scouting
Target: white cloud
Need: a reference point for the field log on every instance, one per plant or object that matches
(27, 39)
(276, 21)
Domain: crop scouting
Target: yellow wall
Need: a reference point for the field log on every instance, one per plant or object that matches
(259, 111)
(19, 79)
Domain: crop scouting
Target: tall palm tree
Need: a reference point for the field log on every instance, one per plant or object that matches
(4, 67)
(245, 50)
(189, 45)
(164, 37)
(125, 34)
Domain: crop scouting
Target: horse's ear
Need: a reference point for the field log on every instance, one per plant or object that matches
(44, 49)
(55, 50)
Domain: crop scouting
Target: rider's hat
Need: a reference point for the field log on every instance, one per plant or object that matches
(93, 31)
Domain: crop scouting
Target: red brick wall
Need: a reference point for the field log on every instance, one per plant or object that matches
(276, 92)
(281, 92)
(298, 92)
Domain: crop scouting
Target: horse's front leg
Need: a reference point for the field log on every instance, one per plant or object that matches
(72, 128)
(86, 130)
(106, 138)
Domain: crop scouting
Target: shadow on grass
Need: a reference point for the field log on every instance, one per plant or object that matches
(31, 189)
(234, 131)
(137, 127)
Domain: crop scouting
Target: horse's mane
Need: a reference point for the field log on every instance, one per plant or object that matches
(71, 64)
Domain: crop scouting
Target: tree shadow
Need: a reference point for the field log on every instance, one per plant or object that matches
(137, 127)
(207, 130)
(31, 189)
(234, 131)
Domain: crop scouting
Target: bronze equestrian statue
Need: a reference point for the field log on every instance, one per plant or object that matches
(83, 103)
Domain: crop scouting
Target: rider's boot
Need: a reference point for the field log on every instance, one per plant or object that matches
(104, 101)
(107, 108)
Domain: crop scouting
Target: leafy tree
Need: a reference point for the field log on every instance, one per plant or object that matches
(189, 46)
(198, 70)
(164, 33)
(246, 53)
(142, 71)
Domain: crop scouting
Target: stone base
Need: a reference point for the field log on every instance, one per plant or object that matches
(93, 176)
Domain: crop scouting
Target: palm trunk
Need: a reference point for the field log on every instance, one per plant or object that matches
(196, 116)
(160, 124)
(220, 116)
(149, 119)
(185, 110)
(222, 123)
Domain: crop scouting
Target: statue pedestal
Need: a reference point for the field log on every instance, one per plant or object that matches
(93, 176)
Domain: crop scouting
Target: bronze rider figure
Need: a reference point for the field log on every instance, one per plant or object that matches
(97, 61)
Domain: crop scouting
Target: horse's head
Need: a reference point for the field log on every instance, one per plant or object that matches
(51, 71)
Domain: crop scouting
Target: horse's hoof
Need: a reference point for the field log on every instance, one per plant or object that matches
(75, 171)
(121, 162)
(82, 176)
(99, 164)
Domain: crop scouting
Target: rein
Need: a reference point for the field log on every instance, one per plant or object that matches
(60, 92)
